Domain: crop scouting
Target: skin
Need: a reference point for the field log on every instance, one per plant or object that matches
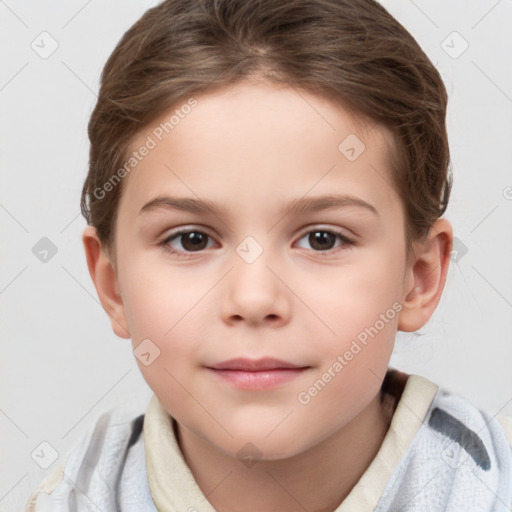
(253, 147)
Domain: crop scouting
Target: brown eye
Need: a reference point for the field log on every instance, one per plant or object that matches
(185, 242)
(194, 241)
(321, 240)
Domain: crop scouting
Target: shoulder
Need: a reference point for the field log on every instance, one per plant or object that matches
(96, 461)
(460, 456)
(472, 450)
(474, 432)
(458, 419)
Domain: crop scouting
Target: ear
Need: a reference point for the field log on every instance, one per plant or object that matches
(105, 281)
(426, 277)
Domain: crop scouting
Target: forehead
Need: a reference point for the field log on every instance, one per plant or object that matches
(247, 139)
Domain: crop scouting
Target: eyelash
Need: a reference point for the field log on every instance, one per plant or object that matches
(165, 243)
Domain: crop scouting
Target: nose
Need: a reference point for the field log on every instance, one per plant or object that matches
(254, 293)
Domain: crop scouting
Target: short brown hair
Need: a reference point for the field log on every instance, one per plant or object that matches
(351, 51)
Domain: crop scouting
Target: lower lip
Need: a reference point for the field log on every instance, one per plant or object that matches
(257, 380)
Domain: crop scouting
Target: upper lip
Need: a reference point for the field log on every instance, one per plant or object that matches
(254, 365)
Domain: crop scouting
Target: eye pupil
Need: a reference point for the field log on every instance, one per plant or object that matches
(195, 239)
(322, 239)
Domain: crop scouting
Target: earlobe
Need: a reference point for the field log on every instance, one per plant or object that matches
(104, 278)
(426, 277)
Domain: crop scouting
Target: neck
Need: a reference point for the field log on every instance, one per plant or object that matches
(318, 479)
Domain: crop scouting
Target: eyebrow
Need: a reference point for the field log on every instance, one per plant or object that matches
(297, 206)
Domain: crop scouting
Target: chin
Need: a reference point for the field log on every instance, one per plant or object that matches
(259, 448)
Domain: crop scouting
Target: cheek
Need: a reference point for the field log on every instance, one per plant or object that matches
(360, 306)
(163, 321)
(158, 300)
(354, 362)
(165, 310)
(174, 382)
(353, 297)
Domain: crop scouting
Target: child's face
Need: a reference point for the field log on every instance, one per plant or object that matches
(250, 150)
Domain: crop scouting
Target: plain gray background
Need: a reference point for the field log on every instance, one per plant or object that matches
(62, 366)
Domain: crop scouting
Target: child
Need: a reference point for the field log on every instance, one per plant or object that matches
(266, 185)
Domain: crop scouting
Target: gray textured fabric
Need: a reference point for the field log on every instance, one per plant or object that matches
(105, 472)
(460, 460)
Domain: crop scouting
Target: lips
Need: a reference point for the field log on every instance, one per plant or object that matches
(256, 374)
(254, 365)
